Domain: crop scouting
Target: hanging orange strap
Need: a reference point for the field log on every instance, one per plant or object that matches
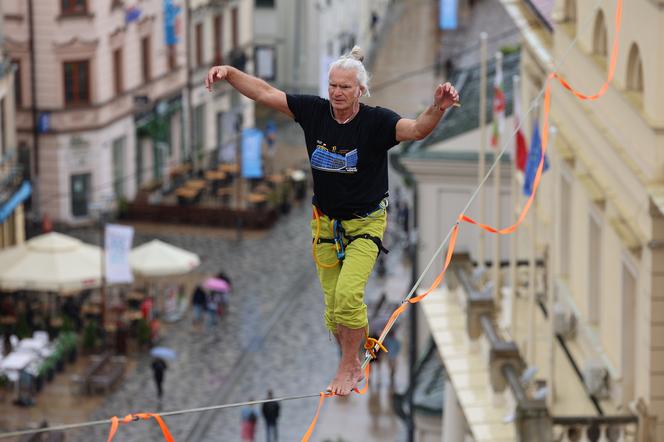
(115, 423)
(324, 396)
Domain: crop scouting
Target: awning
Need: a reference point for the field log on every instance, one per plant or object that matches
(21, 195)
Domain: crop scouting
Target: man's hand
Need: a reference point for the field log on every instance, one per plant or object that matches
(445, 96)
(215, 74)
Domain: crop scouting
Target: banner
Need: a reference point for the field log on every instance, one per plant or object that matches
(252, 149)
(117, 245)
(448, 14)
(171, 12)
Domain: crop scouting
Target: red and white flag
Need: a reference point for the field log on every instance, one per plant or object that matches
(520, 147)
(498, 105)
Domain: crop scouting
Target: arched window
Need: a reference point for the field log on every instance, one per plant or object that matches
(634, 70)
(599, 36)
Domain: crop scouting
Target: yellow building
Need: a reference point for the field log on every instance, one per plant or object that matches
(596, 234)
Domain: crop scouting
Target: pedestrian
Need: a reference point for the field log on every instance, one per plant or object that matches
(347, 143)
(248, 425)
(271, 414)
(158, 370)
(198, 302)
(212, 309)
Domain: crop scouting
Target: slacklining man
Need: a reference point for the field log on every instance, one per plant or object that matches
(347, 142)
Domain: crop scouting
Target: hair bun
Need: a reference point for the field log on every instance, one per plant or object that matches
(356, 53)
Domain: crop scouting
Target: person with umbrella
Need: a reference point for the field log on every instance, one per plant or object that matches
(159, 366)
(347, 144)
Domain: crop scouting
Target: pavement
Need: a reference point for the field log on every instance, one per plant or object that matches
(273, 336)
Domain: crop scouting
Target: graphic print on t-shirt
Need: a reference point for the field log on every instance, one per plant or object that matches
(334, 160)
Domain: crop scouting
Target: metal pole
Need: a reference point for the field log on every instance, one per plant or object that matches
(514, 205)
(239, 206)
(413, 320)
(550, 272)
(496, 187)
(482, 161)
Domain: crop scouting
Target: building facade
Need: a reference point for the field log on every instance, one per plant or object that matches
(14, 189)
(219, 33)
(99, 98)
(587, 321)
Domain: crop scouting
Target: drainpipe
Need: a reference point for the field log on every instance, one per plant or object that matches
(34, 173)
(186, 109)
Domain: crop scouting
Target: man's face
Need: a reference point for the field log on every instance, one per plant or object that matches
(343, 89)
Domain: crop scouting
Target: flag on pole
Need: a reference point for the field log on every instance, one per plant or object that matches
(533, 162)
(498, 104)
(520, 149)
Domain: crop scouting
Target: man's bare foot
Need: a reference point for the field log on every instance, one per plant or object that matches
(346, 380)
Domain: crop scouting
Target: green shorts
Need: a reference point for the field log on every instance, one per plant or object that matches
(343, 285)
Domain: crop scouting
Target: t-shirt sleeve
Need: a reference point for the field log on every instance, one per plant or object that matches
(303, 107)
(386, 127)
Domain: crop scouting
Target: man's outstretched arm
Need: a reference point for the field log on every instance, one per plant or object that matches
(249, 86)
(408, 129)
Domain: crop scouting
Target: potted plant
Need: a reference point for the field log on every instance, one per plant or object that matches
(143, 333)
(90, 337)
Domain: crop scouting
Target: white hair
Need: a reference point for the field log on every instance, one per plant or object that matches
(353, 60)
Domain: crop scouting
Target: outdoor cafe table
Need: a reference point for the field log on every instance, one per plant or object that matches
(195, 184)
(228, 168)
(17, 361)
(215, 175)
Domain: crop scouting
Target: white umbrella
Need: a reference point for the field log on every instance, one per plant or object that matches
(51, 262)
(157, 258)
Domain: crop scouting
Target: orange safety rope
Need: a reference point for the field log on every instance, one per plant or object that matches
(324, 396)
(115, 423)
(463, 217)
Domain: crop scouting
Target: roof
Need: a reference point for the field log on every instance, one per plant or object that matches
(467, 117)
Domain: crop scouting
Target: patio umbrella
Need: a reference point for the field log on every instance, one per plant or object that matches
(157, 258)
(217, 285)
(52, 262)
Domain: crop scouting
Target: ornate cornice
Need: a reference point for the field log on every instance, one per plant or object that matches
(76, 45)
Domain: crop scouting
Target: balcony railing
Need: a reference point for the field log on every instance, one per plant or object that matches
(596, 429)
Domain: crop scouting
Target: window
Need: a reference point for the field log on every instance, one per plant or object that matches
(594, 269)
(74, 7)
(172, 57)
(570, 13)
(265, 3)
(234, 28)
(146, 65)
(117, 72)
(565, 225)
(18, 93)
(198, 132)
(118, 167)
(80, 194)
(218, 39)
(3, 129)
(199, 44)
(634, 70)
(599, 36)
(77, 82)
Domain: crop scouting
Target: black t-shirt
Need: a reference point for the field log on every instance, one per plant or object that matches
(348, 161)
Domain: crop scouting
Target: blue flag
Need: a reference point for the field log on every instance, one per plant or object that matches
(534, 157)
